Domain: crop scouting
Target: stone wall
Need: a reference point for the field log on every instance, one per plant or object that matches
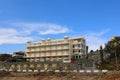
(46, 66)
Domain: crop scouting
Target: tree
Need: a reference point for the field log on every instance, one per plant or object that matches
(101, 55)
(113, 46)
(4, 57)
(91, 51)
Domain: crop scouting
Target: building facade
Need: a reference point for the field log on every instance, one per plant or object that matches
(56, 50)
(19, 54)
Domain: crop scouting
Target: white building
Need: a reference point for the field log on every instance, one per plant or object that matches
(56, 50)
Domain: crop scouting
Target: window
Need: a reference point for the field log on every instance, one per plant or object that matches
(66, 46)
(32, 54)
(32, 49)
(42, 54)
(29, 55)
(37, 54)
(42, 48)
(76, 57)
(47, 54)
(79, 56)
(37, 49)
(73, 51)
(65, 52)
(59, 47)
(73, 57)
(59, 53)
(53, 47)
(79, 40)
(78, 45)
(47, 48)
(73, 46)
(53, 53)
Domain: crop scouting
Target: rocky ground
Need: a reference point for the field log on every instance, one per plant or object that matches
(111, 75)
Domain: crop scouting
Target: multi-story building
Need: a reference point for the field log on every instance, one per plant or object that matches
(56, 50)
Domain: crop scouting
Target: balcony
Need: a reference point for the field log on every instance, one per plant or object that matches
(42, 55)
(65, 54)
(59, 48)
(37, 45)
(53, 43)
(75, 42)
(53, 48)
(76, 53)
(47, 48)
(59, 42)
(42, 49)
(27, 50)
(37, 49)
(76, 47)
(53, 54)
(37, 54)
(29, 46)
(32, 50)
(32, 55)
(47, 55)
(43, 44)
(66, 47)
(59, 54)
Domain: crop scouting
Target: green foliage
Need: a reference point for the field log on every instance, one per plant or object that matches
(60, 68)
(69, 68)
(4, 57)
(91, 51)
(113, 46)
(101, 55)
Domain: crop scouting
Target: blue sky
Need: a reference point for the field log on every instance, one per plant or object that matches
(23, 20)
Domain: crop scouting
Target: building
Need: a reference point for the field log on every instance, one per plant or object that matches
(18, 54)
(56, 50)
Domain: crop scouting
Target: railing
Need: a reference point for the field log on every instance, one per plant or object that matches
(56, 66)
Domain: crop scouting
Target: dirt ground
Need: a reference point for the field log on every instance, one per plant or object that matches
(112, 75)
